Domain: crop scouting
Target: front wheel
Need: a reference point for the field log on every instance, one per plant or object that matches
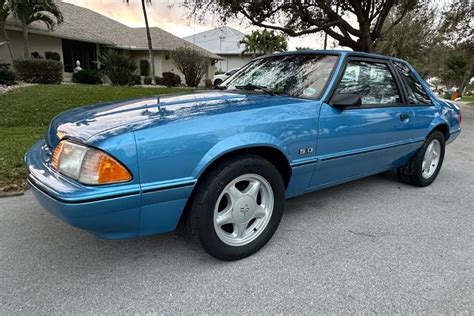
(238, 207)
(423, 168)
(217, 82)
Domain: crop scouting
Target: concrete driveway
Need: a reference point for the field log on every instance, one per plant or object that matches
(370, 246)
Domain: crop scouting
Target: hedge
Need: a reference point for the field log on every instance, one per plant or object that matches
(52, 55)
(87, 76)
(7, 77)
(39, 70)
(169, 79)
(135, 80)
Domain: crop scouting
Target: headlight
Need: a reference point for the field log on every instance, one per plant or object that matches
(88, 165)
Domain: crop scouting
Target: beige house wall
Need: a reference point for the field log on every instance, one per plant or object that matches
(138, 55)
(37, 43)
(42, 44)
(164, 63)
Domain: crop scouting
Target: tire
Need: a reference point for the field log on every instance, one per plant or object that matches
(230, 224)
(217, 82)
(412, 172)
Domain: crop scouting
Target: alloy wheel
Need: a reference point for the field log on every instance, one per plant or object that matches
(243, 210)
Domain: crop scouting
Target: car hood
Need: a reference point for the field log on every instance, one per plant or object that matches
(85, 122)
(221, 76)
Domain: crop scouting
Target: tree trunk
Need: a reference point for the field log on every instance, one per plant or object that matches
(7, 40)
(462, 85)
(365, 40)
(26, 45)
(150, 46)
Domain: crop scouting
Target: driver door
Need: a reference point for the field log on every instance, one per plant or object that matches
(357, 141)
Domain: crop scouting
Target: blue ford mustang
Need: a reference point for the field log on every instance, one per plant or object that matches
(222, 162)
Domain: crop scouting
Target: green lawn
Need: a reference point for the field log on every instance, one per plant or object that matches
(468, 99)
(26, 112)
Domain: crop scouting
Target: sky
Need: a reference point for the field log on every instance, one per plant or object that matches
(170, 16)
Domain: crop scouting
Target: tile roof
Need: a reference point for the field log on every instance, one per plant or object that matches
(86, 25)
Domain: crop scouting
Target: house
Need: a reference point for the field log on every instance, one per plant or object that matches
(85, 33)
(223, 41)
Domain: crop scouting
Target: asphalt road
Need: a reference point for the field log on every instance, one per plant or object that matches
(370, 246)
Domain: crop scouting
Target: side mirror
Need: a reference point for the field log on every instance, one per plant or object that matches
(343, 100)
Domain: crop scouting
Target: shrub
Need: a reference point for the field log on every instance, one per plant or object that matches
(169, 79)
(209, 83)
(87, 76)
(135, 80)
(36, 55)
(147, 80)
(192, 63)
(144, 67)
(7, 77)
(117, 67)
(39, 70)
(52, 56)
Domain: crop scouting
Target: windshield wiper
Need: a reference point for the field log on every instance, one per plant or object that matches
(251, 86)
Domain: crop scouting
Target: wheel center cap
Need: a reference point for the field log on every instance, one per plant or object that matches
(244, 209)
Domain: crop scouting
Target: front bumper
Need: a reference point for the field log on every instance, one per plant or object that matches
(113, 211)
(121, 221)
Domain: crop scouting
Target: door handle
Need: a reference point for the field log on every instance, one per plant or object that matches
(404, 116)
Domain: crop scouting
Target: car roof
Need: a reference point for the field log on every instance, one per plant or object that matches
(334, 52)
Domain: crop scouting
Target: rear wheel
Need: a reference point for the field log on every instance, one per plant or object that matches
(238, 207)
(423, 168)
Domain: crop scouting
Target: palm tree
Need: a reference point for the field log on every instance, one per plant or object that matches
(271, 42)
(148, 35)
(263, 42)
(29, 11)
(251, 44)
(5, 10)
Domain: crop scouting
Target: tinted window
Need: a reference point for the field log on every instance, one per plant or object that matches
(372, 81)
(299, 75)
(416, 92)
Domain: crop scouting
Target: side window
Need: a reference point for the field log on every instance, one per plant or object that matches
(372, 81)
(416, 92)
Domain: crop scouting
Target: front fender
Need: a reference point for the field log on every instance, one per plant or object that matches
(236, 142)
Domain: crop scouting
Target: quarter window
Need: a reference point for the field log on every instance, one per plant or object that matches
(416, 92)
(372, 81)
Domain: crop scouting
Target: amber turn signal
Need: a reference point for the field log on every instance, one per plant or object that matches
(100, 168)
(88, 165)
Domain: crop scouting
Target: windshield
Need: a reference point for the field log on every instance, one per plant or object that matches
(295, 75)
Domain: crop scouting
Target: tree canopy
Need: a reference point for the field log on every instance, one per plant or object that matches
(415, 39)
(438, 42)
(301, 17)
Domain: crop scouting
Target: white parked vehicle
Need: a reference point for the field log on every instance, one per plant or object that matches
(218, 79)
